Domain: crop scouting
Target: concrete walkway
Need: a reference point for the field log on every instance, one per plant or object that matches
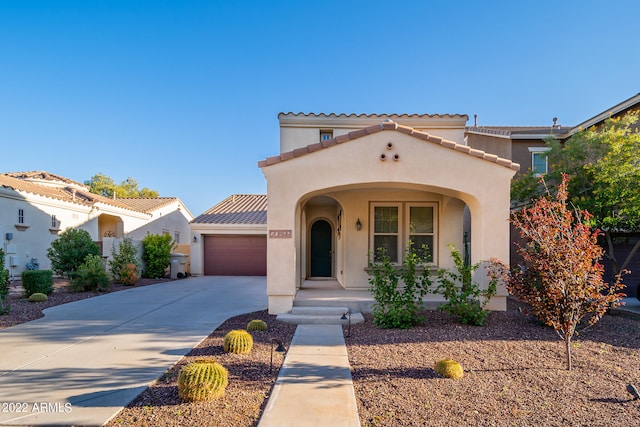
(314, 386)
(84, 361)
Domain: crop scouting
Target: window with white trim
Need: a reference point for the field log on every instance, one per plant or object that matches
(394, 225)
(176, 237)
(326, 135)
(539, 164)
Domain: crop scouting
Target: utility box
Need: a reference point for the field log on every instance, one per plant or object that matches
(178, 264)
(14, 260)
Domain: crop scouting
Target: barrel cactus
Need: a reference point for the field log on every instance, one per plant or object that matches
(38, 297)
(203, 379)
(257, 325)
(449, 369)
(238, 341)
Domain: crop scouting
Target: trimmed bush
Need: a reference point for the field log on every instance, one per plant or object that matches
(128, 275)
(37, 281)
(90, 276)
(120, 265)
(238, 341)
(202, 380)
(156, 252)
(38, 297)
(257, 325)
(4, 285)
(70, 250)
(449, 368)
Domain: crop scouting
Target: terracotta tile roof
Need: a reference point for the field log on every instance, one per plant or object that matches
(332, 115)
(237, 209)
(43, 175)
(147, 205)
(74, 192)
(559, 131)
(387, 126)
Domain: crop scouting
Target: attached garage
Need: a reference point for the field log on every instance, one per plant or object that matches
(230, 239)
(237, 255)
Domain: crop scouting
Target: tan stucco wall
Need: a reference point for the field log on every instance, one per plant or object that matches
(353, 174)
(300, 131)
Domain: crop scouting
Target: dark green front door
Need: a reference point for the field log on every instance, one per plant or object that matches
(320, 249)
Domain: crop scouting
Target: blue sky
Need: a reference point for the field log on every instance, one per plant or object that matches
(183, 96)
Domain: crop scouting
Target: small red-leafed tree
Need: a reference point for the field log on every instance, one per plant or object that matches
(561, 278)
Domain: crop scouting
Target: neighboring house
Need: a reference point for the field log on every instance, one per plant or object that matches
(35, 207)
(526, 146)
(230, 239)
(344, 185)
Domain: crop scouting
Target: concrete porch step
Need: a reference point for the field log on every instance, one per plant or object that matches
(320, 316)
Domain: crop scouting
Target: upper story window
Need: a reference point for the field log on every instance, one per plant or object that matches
(54, 221)
(325, 135)
(539, 164)
(394, 225)
(176, 237)
(20, 216)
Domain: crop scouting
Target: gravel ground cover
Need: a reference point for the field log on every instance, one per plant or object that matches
(514, 374)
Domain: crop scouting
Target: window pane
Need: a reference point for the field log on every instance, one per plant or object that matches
(421, 219)
(389, 244)
(420, 242)
(539, 162)
(386, 219)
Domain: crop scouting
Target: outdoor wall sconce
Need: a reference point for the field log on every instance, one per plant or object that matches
(358, 225)
(280, 349)
(195, 239)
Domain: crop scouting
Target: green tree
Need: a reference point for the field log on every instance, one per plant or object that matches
(156, 251)
(604, 167)
(69, 251)
(561, 277)
(105, 186)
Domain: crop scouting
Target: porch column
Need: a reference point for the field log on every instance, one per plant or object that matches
(282, 238)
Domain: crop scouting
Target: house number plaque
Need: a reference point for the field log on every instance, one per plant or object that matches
(280, 234)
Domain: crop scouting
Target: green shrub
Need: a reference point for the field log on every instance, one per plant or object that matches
(238, 341)
(202, 380)
(449, 369)
(90, 276)
(37, 281)
(69, 251)
(257, 325)
(119, 266)
(38, 297)
(156, 253)
(4, 285)
(465, 299)
(398, 292)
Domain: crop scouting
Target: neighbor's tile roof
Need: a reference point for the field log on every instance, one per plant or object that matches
(72, 193)
(43, 175)
(385, 126)
(147, 205)
(237, 209)
(559, 131)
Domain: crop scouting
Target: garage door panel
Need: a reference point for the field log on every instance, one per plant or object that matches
(235, 255)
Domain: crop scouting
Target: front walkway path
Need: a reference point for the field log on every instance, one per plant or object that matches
(86, 360)
(314, 386)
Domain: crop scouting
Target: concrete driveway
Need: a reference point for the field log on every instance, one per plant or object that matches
(86, 360)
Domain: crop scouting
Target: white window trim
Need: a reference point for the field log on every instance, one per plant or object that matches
(407, 231)
(538, 150)
(404, 210)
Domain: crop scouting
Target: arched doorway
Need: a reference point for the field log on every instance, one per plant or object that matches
(321, 252)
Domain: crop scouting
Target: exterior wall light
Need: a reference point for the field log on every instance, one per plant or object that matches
(358, 225)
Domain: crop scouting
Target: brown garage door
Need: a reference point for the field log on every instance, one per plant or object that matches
(235, 255)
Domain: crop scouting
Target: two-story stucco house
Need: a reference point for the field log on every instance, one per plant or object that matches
(345, 185)
(35, 207)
